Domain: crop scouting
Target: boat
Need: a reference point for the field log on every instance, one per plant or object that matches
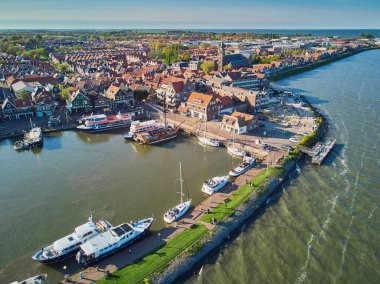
(38, 279)
(214, 184)
(69, 245)
(34, 137)
(208, 141)
(140, 127)
(157, 136)
(245, 165)
(180, 209)
(21, 145)
(102, 122)
(112, 240)
(235, 151)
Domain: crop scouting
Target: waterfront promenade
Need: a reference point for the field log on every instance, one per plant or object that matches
(155, 240)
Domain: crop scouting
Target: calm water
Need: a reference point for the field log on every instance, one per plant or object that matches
(324, 227)
(44, 195)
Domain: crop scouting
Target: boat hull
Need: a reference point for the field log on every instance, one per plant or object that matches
(55, 259)
(180, 214)
(235, 173)
(210, 191)
(130, 242)
(101, 129)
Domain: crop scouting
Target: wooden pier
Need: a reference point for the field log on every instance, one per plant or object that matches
(320, 151)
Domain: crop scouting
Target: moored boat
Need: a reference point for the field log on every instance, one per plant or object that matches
(140, 127)
(214, 184)
(157, 136)
(208, 141)
(34, 137)
(235, 151)
(38, 279)
(180, 209)
(112, 240)
(69, 245)
(21, 145)
(102, 122)
(245, 165)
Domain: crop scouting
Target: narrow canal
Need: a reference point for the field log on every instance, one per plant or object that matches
(45, 194)
(324, 227)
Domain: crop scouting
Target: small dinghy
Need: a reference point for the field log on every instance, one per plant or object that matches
(38, 279)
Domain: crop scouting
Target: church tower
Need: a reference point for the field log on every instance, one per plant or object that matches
(221, 54)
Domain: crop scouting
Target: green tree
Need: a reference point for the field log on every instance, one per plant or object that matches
(65, 92)
(140, 95)
(185, 56)
(227, 67)
(205, 45)
(63, 67)
(23, 95)
(207, 66)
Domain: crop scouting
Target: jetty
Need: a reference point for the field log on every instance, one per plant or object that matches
(320, 151)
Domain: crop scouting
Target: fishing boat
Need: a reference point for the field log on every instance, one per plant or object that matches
(140, 127)
(214, 184)
(180, 209)
(69, 245)
(208, 141)
(245, 165)
(102, 122)
(112, 240)
(38, 279)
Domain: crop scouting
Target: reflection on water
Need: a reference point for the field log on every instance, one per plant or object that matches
(50, 191)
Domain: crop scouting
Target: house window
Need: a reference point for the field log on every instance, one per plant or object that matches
(76, 103)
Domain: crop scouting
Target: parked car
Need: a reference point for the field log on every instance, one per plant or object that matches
(305, 133)
(287, 147)
(294, 140)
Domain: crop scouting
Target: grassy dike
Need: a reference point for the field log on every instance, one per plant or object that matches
(299, 70)
(190, 240)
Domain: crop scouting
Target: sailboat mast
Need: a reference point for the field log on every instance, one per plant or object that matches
(165, 110)
(181, 180)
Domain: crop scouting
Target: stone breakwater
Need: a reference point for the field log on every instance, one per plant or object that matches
(187, 261)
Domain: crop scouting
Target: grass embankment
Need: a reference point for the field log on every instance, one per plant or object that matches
(299, 70)
(312, 138)
(239, 196)
(137, 272)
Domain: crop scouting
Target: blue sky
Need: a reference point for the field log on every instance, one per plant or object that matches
(207, 14)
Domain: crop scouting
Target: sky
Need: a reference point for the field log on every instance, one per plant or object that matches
(194, 14)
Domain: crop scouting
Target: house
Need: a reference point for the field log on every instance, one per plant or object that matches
(239, 123)
(22, 86)
(78, 102)
(120, 95)
(201, 106)
(15, 109)
(43, 103)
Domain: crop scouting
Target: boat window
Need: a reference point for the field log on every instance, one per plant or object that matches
(126, 227)
(118, 231)
(70, 239)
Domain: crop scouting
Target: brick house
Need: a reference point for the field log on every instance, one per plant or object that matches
(201, 106)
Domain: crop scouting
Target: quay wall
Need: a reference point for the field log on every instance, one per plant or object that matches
(226, 229)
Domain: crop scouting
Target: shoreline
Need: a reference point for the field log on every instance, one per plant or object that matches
(299, 70)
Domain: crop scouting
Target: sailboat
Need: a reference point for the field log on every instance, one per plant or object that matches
(33, 138)
(180, 209)
(158, 135)
(208, 140)
(234, 150)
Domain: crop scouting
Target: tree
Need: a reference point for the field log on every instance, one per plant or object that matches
(140, 95)
(227, 67)
(365, 35)
(205, 45)
(185, 56)
(23, 95)
(207, 66)
(63, 67)
(65, 92)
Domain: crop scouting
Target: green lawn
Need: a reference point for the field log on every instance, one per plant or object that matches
(239, 196)
(136, 272)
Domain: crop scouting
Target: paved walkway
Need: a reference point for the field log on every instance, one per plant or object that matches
(138, 250)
